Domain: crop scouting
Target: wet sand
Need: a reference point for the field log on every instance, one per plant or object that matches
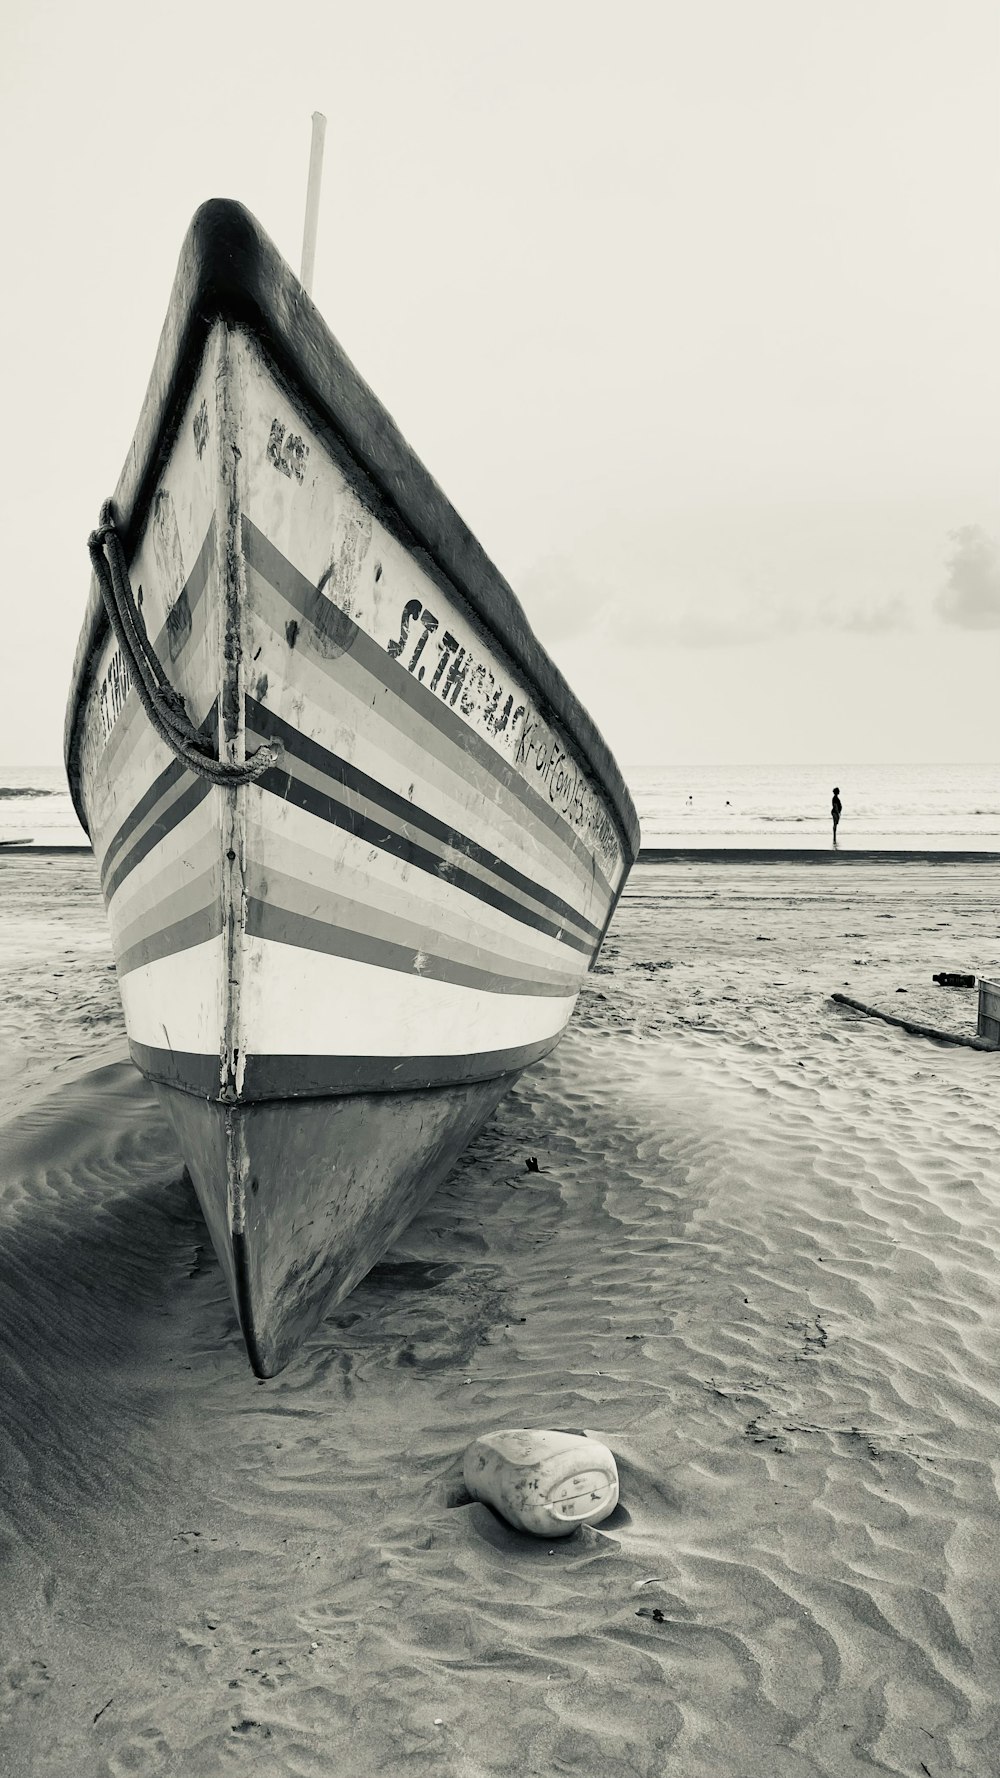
(759, 1261)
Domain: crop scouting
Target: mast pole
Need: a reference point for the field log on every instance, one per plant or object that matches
(309, 232)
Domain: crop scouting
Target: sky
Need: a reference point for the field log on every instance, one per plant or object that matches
(691, 308)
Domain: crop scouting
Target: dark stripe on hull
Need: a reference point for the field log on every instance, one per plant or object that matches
(266, 724)
(190, 596)
(327, 1077)
(147, 802)
(194, 929)
(339, 634)
(196, 793)
(265, 920)
(190, 1070)
(164, 781)
(373, 833)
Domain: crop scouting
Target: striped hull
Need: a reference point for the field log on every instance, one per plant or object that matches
(332, 974)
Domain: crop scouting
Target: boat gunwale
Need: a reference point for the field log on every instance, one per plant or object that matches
(230, 272)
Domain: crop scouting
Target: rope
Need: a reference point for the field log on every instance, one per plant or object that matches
(163, 705)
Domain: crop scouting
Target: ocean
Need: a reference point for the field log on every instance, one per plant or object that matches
(919, 807)
(35, 808)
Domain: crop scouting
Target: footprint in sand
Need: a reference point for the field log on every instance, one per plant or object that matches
(188, 1540)
(277, 1673)
(27, 1680)
(198, 1649)
(249, 1726)
(146, 1751)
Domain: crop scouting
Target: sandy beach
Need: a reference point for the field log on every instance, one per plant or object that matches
(759, 1260)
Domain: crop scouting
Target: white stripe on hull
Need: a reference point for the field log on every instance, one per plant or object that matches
(176, 1002)
(299, 1002)
(315, 853)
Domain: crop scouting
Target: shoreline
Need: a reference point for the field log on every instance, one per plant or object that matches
(682, 854)
(808, 855)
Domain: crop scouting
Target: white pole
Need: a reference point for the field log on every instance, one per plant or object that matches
(312, 199)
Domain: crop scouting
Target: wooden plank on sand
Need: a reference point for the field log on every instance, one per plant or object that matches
(931, 1031)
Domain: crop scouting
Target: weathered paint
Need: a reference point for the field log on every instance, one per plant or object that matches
(229, 269)
(156, 829)
(333, 974)
(320, 525)
(305, 1197)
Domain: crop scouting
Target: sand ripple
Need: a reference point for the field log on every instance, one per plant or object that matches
(759, 1261)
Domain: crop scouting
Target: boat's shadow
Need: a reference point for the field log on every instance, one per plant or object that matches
(100, 1238)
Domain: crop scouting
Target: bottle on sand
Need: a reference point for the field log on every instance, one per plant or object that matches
(544, 1482)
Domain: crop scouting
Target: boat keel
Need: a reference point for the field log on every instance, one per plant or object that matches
(303, 1196)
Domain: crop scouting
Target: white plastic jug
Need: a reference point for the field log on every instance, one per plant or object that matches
(544, 1482)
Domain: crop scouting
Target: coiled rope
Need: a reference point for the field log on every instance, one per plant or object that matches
(163, 705)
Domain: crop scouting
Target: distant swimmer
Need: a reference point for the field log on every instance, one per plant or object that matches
(836, 809)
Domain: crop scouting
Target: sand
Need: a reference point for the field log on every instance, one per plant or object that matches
(59, 998)
(759, 1261)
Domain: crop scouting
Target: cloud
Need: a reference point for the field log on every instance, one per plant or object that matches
(699, 583)
(739, 620)
(875, 619)
(970, 596)
(699, 624)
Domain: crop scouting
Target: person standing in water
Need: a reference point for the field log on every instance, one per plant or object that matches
(836, 808)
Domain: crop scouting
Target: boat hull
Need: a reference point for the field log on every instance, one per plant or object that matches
(331, 974)
(303, 1197)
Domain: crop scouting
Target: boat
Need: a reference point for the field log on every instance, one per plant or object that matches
(358, 841)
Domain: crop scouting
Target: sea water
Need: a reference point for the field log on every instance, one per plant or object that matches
(913, 807)
(907, 808)
(36, 809)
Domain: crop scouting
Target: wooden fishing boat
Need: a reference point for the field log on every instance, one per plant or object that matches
(355, 883)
